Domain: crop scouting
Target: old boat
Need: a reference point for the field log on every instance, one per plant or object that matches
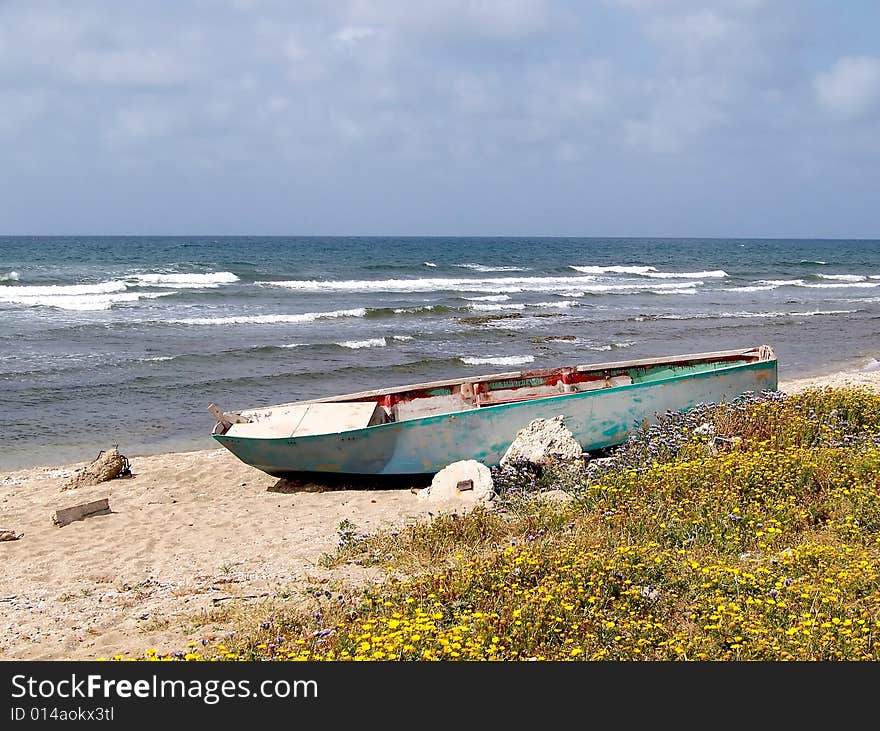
(421, 428)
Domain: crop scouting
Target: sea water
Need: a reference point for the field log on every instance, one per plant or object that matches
(127, 340)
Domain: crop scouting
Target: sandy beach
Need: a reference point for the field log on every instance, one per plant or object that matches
(192, 539)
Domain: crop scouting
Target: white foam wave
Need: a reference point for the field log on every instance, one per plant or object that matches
(844, 277)
(413, 310)
(739, 315)
(712, 274)
(270, 319)
(561, 304)
(161, 358)
(10, 277)
(402, 338)
(497, 285)
(753, 288)
(615, 269)
(358, 344)
(671, 290)
(487, 268)
(79, 303)
(500, 360)
(843, 285)
(63, 290)
(429, 264)
(872, 364)
(651, 272)
(813, 261)
(209, 280)
(765, 285)
(493, 307)
(489, 298)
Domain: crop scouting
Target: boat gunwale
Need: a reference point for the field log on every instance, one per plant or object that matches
(426, 420)
(512, 375)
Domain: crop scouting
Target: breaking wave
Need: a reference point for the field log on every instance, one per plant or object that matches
(651, 272)
(270, 319)
(615, 269)
(500, 360)
(843, 277)
(493, 307)
(843, 285)
(490, 285)
(73, 298)
(358, 344)
(487, 268)
(489, 298)
(736, 315)
(69, 290)
(195, 281)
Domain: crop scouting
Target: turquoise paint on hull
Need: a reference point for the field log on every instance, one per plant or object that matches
(598, 419)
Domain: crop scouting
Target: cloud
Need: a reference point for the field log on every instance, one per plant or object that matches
(353, 34)
(493, 19)
(667, 6)
(692, 34)
(681, 113)
(147, 68)
(20, 108)
(64, 47)
(470, 99)
(851, 88)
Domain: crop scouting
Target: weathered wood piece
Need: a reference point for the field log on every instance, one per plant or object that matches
(65, 516)
(226, 418)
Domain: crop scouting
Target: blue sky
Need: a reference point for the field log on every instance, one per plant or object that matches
(451, 117)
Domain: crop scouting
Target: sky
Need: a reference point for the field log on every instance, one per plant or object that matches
(730, 118)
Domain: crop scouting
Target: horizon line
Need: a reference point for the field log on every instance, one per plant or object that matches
(442, 236)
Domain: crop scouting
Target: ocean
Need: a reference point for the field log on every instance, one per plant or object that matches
(126, 340)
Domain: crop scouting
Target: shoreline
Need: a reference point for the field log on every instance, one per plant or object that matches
(193, 540)
(840, 374)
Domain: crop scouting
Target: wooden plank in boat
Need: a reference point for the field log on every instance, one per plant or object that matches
(305, 419)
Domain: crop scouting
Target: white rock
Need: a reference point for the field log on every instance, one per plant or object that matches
(542, 441)
(467, 481)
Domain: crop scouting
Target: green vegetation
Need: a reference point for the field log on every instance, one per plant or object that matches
(742, 531)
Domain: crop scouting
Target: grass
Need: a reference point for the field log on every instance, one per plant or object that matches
(745, 531)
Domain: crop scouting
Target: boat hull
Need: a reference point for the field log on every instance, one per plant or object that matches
(598, 419)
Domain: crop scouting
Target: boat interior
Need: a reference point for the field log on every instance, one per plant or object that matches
(337, 414)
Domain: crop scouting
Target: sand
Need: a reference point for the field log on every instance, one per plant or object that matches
(193, 540)
(186, 531)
